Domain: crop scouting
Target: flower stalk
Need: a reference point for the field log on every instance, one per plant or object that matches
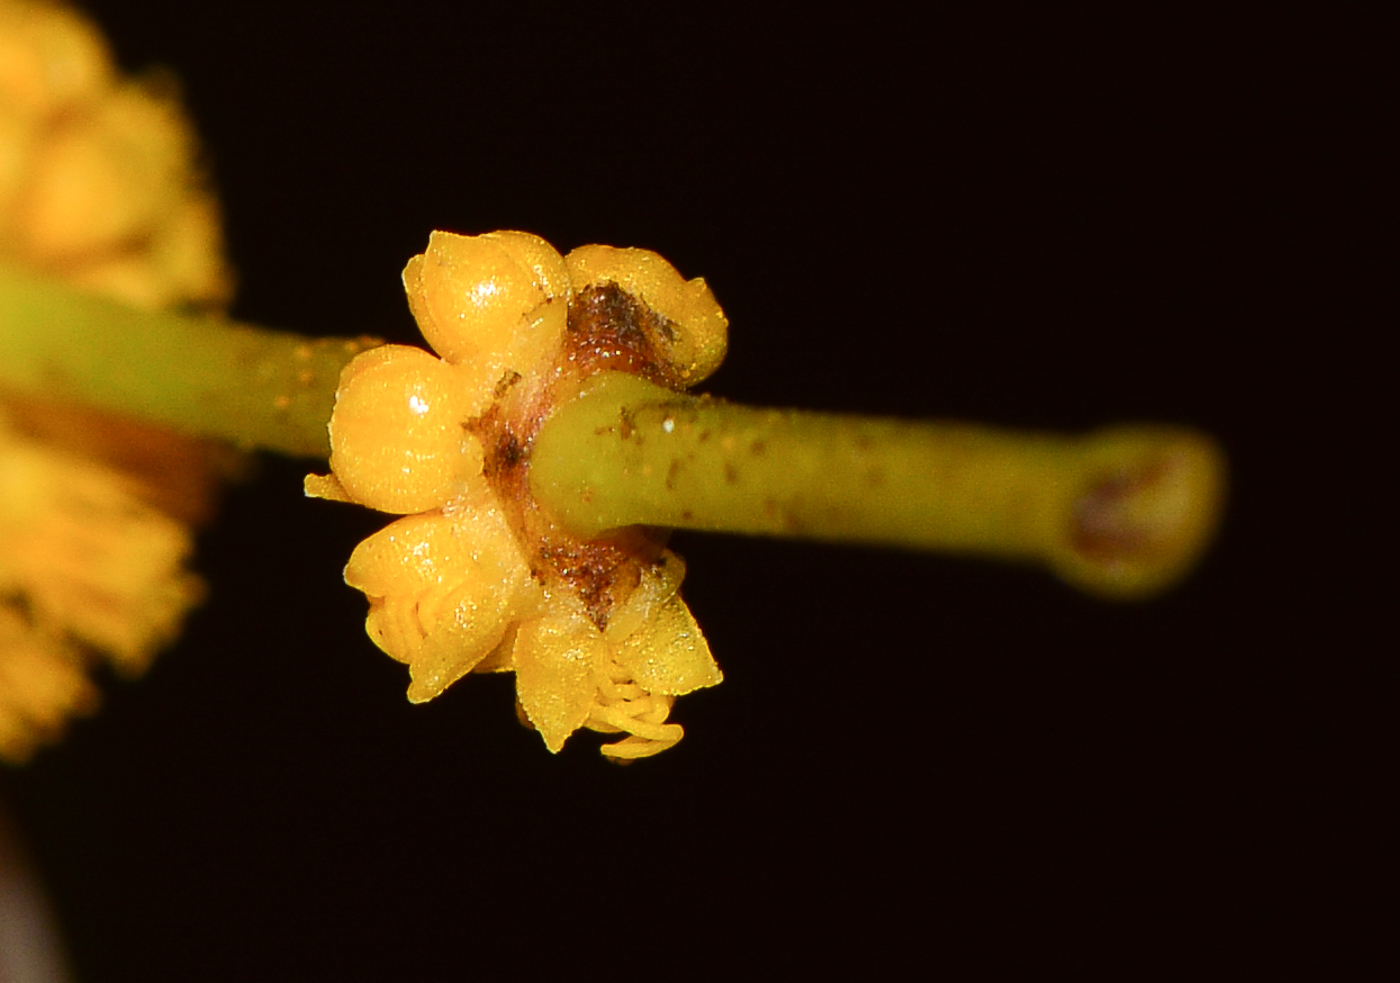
(203, 375)
(1121, 512)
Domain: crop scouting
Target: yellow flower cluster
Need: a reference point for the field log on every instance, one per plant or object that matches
(98, 188)
(477, 577)
(97, 179)
(86, 564)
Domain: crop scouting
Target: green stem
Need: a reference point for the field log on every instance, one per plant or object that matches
(1122, 512)
(205, 376)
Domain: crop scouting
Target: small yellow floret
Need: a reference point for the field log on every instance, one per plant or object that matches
(595, 632)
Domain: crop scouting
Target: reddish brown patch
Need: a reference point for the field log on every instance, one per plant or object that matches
(1104, 526)
(612, 331)
(178, 474)
(608, 330)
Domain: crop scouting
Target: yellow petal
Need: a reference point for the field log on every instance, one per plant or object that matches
(472, 626)
(324, 486)
(557, 658)
(444, 591)
(657, 584)
(668, 654)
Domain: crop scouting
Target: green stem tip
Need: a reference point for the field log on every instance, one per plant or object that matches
(1123, 512)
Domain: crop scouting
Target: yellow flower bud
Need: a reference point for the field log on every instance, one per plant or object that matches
(473, 295)
(547, 268)
(98, 182)
(49, 57)
(398, 434)
(111, 179)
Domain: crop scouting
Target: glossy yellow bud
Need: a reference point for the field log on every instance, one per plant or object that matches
(473, 296)
(398, 437)
(547, 268)
(701, 327)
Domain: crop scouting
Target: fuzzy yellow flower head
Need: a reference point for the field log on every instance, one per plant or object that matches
(477, 577)
(98, 184)
(98, 188)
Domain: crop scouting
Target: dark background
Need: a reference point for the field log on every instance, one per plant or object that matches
(913, 760)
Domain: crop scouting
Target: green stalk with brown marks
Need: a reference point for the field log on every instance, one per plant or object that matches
(1121, 512)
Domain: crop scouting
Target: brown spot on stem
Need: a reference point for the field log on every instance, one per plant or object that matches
(1118, 519)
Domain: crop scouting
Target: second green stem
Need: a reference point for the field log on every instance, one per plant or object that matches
(1122, 512)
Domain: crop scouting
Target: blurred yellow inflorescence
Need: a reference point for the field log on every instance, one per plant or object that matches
(98, 187)
(98, 182)
(477, 577)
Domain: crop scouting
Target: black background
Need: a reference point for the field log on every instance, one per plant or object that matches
(913, 760)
